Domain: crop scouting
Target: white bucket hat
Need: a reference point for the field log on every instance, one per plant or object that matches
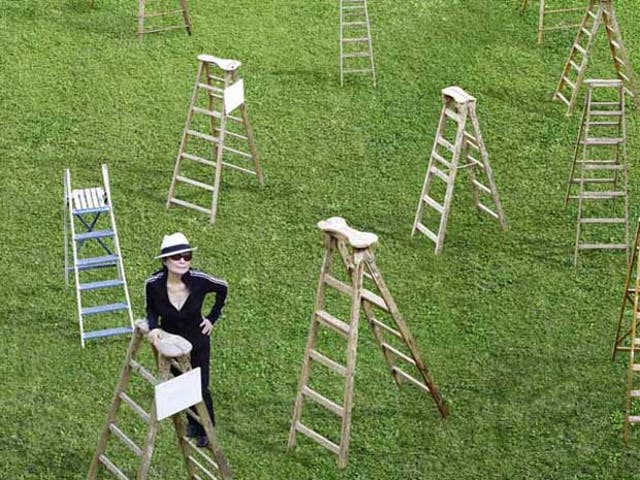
(174, 244)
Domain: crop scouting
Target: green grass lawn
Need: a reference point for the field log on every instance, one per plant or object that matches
(518, 340)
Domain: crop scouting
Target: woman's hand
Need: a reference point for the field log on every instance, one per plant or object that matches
(207, 326)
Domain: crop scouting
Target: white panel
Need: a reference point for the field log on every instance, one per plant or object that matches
(178, 394)
(234, 96)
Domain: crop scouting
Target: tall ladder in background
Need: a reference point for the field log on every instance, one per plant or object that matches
(458, 106)
(603, 167)
(161, 14)
(623, 332)
(224, 94)
(356, 50)
(354, 248)
(84, 208)
(171, 351)
(598, 12)
(544, 10)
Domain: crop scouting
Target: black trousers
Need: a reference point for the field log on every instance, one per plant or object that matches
(200, 357)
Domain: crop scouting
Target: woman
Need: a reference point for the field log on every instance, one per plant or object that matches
(175, 294)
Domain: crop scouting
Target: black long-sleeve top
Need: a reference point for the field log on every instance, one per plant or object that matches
(186, 321)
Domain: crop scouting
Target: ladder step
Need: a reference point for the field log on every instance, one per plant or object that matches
(163, 29)
(203, 136)
(328, 444)
(561, 97)
(195, 183)
(81, 237)
(602, 246)
(355, 55)
(354, 24)
(633, 419)
(452, 115)
(332, 322)
(603, 166)
(605, 113)
(108, 332)
(433, 204)
(355, 40)
(446, 144)
(592, 180)
(635, 393)
(210, 88)
(575, 66)
(398, 353)
(482, 187)
(204, 111)
(143, 372)
(600, 195)
(135, 407)
(323, 401)
(124, 439)
(367, 295)
(609, 123)
(410, 379)
(358, 70)
(97, 262)
(440, 159)
(112, 307)
(486, 209)
(603, 220)
(182, 203)
(327, 362)
(602, 141)
(386, 328)
(636, 367)
(236, 167)
(422, 229)
(569, 82)
(101, 284)
(112, 467)
(440, 174)
(579, 48)
(197, 159)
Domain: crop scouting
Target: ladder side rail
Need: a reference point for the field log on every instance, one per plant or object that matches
(540, 21)
(76, 272)
(370, 43)
(65, 227)
(487, 166)
(219, 152)
(319, 302)
(181, 431)
(140, 19)
(341, 48)
(576, 153)
(406, 334)
(250, 137)
(388, 356)
(184, 140)
(125, 374)
(472, 173)
(634, 322)
(428, 176)
(567, 66)
(625, 296)
(185, 15)
(623, 129)
(116, 241)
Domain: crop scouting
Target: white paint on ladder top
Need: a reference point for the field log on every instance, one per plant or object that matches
(234, 96)
(178, 394)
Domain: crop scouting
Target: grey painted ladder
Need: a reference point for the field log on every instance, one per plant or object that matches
(171, 351)
(458, 138)
(89, 228)
(598, 13)
(600, 155)
(392, 335)
(356, 50)
(212, 136)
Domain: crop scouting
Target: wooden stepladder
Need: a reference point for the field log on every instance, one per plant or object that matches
(455, 141)
(598, 13)
(171, 351)
(226, 135)
(354, 248)
(356, 50)
(600, 155)
(89, 227)
(625, 335)
(562, 17)
(162, 16)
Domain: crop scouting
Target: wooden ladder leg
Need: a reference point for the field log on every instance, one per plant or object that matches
(250, 138)
(540, 22)
(185, 14)
(141, 19)
(219, 153)
(619, 338)
(576, 153)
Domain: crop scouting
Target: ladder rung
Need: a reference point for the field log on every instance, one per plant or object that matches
(592, 180)
(446, 144)
(107, 332)
(162, 14)
(409, 378)
(591, 14)
(439, 158)
(328, 444)
(197, 464)
(201, 454)
(323, 401)
(182, 203)
(636, 367)
(620, 61)
(327, 362)
(112, 467)
(195, 183)
(569, 82)
(101, 284)
(609, 123)
(332, 322)
(427, 232)
(195, 158)
(633, 419)
(602, 220)
(203, 136)
(236, 152)
(439, 173)
(97, 262)
(561, 97)
(210, 88)
(579, 48)
(163, 29)
(386, 328)
(355, 39)
(358, 70)
(236, 167)
(354, 24)
(575, 66)
(615, 44)
(233, 134)
(124, 439)
(81, 237)
(488, 210)
(606, 113)
(398, 353)
(634, 393)
(602, 246)
(209, 113)
(602, 141)
(135, 407)
(112, 307)
(143, 372)
(432, 203)
(355, 55)
(452, 115)
(366, 294)
(601, 195)
(471, 141)
(482, 187)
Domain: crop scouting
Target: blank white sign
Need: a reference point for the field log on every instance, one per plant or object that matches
(234, 96)
(178, 394)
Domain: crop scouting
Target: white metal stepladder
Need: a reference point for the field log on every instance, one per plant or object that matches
(171, 351)
(203, 154)
(601, 181)
(563, 15)
(354, 248)
(356, 50)
(455, 141)
(91, 211)
(598, 13)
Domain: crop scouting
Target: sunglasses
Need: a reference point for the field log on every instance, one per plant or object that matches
(186, 256)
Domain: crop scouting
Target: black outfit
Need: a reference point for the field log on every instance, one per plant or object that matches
(186, 321)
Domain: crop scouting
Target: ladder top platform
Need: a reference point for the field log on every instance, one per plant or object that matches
(338, 226)
(458, 95)
(223, 63)
(609, 82)
(88, 198)
(169, 345)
